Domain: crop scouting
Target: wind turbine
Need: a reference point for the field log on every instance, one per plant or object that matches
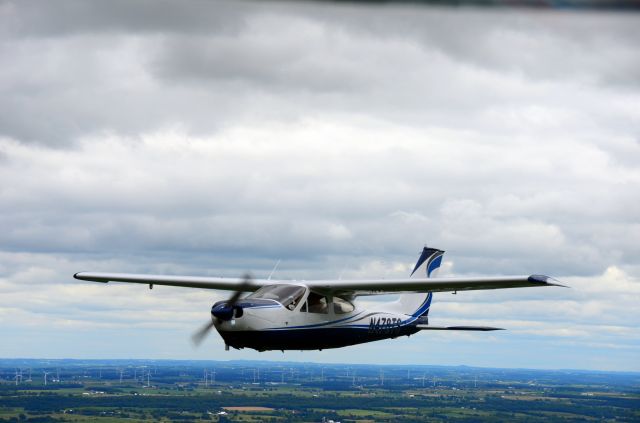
(45, 377)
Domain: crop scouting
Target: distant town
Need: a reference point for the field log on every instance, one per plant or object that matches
(37, 390)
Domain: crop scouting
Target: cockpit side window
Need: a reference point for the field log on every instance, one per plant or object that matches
(341, 306)
(287, 295)
(317, 303)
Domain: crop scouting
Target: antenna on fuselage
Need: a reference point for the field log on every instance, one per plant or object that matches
(274, 269)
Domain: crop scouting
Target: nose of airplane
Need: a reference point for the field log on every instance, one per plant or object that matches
(222, 311)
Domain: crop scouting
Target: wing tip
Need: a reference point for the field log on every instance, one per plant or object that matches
(545, 280)
(79, 276)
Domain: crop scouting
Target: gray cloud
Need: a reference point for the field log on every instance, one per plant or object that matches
(238, 191)
(221, 137)
(131, 68)
(69, 17)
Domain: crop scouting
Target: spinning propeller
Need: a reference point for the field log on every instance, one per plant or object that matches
(223, 311)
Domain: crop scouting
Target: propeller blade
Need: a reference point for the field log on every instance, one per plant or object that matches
(201, 333)
(243, 287)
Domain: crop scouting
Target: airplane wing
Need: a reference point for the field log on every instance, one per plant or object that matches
(344, 287)
(225, 284)
(374, 287)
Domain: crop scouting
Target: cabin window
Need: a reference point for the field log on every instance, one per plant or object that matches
(341, 306)
(287, 295)
(317, 303)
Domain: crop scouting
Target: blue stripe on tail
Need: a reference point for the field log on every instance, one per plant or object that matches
(423, 310)
(435, 263)
(433, 258)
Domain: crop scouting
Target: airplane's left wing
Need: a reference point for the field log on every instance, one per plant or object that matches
(227, 284)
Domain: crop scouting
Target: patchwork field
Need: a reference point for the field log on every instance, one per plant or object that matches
(144, 391)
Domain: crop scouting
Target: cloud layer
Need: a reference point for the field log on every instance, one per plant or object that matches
(219, 137)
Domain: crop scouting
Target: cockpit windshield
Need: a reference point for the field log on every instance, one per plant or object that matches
(287, 295)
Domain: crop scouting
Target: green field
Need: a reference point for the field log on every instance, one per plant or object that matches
(178, 392)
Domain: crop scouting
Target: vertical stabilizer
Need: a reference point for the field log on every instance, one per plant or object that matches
(417, 304)
(428, 263)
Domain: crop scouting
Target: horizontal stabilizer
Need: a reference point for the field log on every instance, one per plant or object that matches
(476, 328)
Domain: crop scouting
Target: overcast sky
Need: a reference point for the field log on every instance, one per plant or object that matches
(212, 138)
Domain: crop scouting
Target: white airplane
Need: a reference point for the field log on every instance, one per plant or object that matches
(319, 314)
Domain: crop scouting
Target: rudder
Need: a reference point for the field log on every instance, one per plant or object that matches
(417, 304)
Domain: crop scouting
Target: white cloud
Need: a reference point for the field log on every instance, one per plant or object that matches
(339, 139)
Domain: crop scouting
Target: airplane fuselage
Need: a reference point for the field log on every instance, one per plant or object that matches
(267, 325)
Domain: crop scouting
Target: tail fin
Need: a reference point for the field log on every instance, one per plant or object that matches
(418, 304)
(429, 261)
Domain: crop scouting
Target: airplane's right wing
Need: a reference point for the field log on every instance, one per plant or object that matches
(383, 286)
